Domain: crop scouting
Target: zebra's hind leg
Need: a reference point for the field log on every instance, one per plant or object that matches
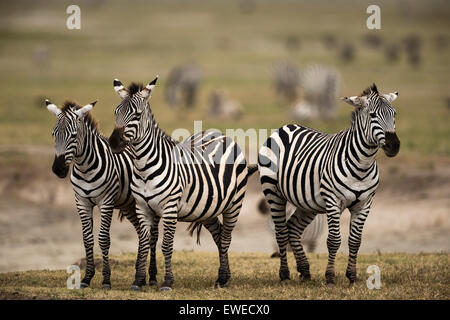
(296, 224)
(106, 211)
(85, 213)
(333, 240)
(229, 221)
(278, 213)
(153, 270)
(358, 217)
(214, 226)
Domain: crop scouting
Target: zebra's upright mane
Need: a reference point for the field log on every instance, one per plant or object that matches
(135, 87)
(371, 89)
(88, 118)
(367, 92)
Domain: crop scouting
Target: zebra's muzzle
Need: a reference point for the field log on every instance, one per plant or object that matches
(391, 146)
(117, 141)
(59, 166)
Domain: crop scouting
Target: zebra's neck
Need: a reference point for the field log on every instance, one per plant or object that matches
(152, 143)
(360, 153)
(88, 140)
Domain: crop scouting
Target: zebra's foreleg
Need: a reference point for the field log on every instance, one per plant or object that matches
(152, 270)
(130, 214)
(85, 213)
(143, 217)
(333, 240)
(297, 224)
(106, 211)
(169, 225)
(358, 217)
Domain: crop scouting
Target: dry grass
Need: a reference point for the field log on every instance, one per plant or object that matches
(254, 276)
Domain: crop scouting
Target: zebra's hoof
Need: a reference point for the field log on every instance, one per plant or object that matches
(135, 288)
(106, 286)
(220, 285)
(305, 278)
(330, 284)
(276, 254)
(165, 288)
(84, 285)
(152, 283)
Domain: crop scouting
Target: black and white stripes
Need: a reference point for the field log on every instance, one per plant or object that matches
(195, 181)
(327, 173)
(99, 178)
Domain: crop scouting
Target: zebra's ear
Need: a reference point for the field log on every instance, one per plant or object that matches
(83, 111)
(391, 96)
(52, 108)
(354, 101)
(146, 93)
(119, 88)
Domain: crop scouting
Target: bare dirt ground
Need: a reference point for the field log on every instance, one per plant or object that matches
(40, 229)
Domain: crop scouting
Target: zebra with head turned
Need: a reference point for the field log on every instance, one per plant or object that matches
(194, 181)
(99, 178)
(327, 173)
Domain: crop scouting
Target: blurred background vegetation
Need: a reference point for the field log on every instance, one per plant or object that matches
(236, 45)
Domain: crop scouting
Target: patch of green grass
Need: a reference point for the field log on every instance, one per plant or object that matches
(254, 276)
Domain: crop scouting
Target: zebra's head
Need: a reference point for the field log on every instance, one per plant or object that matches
(128, 113)
(378, 116)
(68, 120)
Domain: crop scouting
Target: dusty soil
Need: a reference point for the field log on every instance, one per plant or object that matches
(40, 229)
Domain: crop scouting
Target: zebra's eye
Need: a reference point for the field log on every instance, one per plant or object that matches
(372, 114)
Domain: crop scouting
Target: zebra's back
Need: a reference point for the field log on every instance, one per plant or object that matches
(294, 159)
(214, 173)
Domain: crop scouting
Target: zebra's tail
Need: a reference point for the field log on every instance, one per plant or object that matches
(195, 225)
(251, 169)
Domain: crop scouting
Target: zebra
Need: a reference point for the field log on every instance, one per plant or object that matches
(99, 178)
(327, 173)
(193, 181)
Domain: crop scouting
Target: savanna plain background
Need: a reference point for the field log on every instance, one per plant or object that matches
(237, 45)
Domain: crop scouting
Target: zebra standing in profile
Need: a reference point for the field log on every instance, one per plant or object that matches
(327, 173)
(194, 181)
(99, 178)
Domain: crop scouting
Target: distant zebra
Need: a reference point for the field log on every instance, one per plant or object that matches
(194, 181)
(99, 178)
(182, 85)
(327, 173)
